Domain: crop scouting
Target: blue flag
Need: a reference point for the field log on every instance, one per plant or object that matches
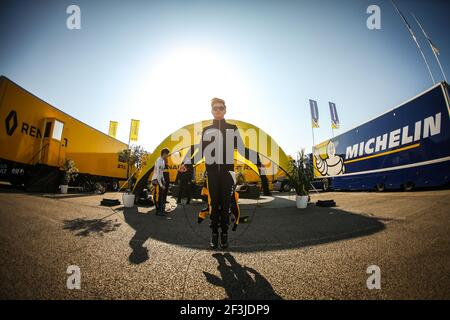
(334, 116)
(314, 113)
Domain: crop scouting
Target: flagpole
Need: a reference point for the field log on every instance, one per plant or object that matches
(129, 134)
(431, 45)
(414, 38)
(129, 153)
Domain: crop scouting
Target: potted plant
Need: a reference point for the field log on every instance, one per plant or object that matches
(300, 176)
(70, 173)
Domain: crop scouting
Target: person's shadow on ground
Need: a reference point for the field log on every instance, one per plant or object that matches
(145, 226)
(140, 223)
(240, 282)
(139, 252)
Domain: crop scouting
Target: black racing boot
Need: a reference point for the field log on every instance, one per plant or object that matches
(214, 241)
(224, 240)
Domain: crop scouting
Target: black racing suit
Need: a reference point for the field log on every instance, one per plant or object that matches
(218, 143)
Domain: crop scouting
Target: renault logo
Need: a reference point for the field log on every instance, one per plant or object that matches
(11, 122)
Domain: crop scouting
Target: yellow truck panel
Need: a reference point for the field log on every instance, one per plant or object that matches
(34, 132)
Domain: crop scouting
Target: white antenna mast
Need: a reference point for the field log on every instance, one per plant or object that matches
(414, 38)
(432, 46)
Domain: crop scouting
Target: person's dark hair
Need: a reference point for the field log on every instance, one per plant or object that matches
(165, 150)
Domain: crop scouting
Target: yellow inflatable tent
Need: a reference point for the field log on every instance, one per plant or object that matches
(274, 161)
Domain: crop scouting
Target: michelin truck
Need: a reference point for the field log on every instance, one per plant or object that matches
(36, 139)
(407, 147)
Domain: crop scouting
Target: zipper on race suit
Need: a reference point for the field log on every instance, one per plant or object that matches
(221, 143)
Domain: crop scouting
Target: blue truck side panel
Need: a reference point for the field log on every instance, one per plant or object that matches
(407, 145)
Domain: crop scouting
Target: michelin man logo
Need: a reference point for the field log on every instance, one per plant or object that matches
(333, 165)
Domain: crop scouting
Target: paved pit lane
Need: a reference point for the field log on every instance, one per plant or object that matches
(281, 253)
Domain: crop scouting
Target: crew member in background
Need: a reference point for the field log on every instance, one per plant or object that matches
(160, 182)
(185, 177)
(166, 179)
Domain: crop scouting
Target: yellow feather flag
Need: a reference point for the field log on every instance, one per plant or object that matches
(113, 128)
(134, 130)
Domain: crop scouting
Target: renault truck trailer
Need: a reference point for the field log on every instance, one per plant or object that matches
(36, 139)
(405, 148)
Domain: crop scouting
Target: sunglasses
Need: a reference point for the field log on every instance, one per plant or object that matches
(218, 108)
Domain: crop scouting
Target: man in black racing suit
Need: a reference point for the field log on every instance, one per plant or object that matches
(218, 143)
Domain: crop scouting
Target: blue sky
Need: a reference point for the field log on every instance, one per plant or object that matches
(162, 61)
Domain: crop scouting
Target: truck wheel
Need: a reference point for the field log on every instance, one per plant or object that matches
(408, 186)
(115, 185)
(87, 186)
(325, 185)
(380, 187)
(100, 187)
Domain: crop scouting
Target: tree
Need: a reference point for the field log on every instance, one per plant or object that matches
(133, 157)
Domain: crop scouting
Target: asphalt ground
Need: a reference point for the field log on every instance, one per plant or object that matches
(281, 253)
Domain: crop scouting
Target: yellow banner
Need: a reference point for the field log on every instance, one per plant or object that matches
(134, 130)
(113, 128)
